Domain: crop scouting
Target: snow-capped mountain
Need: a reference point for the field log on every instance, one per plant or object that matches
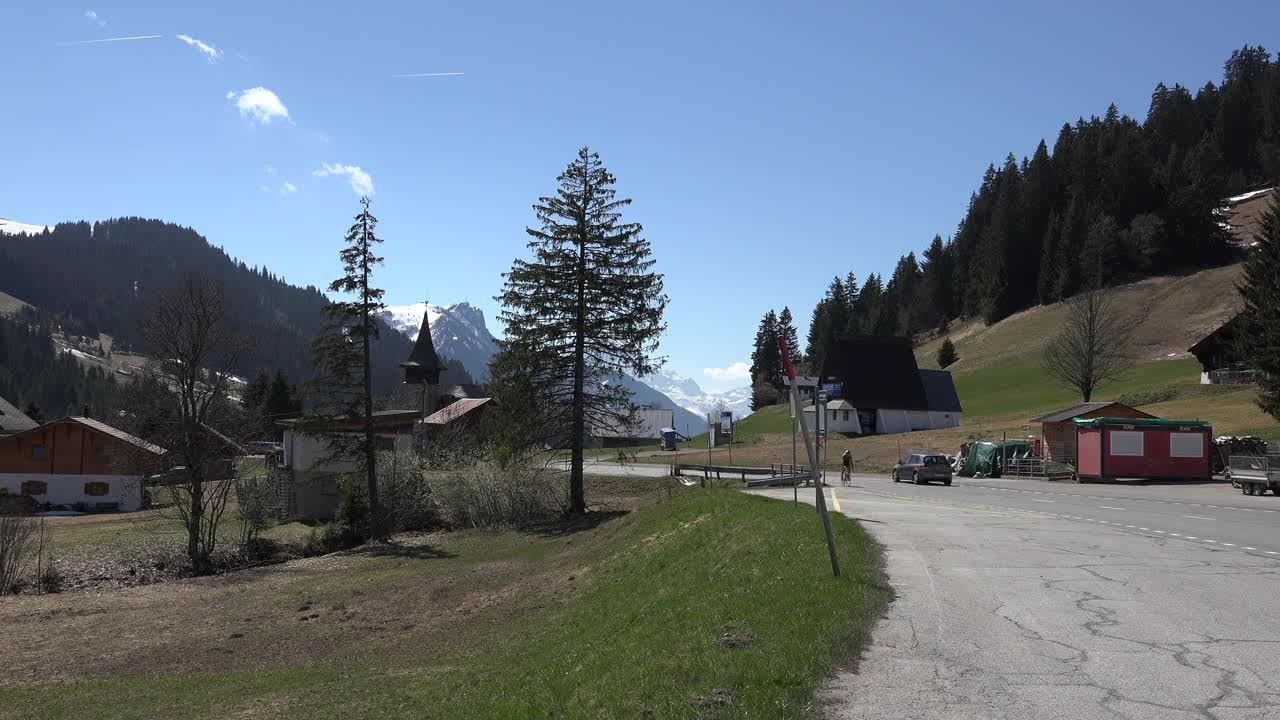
(458, 331)
(10, 227)
(686, 393)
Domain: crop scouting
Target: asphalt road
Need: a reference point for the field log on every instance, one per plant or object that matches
(1022, 599)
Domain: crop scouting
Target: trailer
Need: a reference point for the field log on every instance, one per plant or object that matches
(1143, 448)
(1256, 474)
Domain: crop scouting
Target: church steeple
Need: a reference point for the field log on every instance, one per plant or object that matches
(423, 365)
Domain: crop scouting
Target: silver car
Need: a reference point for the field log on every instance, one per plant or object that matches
(921, 469)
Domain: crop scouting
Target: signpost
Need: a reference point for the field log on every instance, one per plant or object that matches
(813, 459)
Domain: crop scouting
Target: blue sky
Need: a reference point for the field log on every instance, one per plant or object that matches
(767, 147)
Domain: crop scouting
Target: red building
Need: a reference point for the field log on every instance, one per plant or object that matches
(1059, 429)
(1143, 448)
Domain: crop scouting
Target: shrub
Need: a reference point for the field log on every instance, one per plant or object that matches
(22, 539)
(492, 494)
(404, 493)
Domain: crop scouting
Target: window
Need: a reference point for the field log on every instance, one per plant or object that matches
(1186, 445)
(1126, 443)
(35, 487)
(846, 416)
(37, 452)
(97, 489)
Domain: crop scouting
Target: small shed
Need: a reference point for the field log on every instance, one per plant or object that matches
(841, 417)
(1150, 448)
(1060, 432)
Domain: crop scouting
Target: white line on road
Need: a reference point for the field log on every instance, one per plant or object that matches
(1196, 517)
(1039, 500)
(1108, 507)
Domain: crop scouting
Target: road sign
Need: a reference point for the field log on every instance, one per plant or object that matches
(822, 396)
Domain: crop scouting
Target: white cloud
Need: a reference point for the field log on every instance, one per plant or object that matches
(360, 180)
(735, 372)
(93, 16)
(269, 169)
(230, 94)
(260, 104)
(211, 52)
(288, 187)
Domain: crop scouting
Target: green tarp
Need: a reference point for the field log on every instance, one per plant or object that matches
(982, 459)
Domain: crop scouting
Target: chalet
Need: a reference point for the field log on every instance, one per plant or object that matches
(1058, 428)
(77, 462)
(879, 390)
(12, 420)
(1220, 356)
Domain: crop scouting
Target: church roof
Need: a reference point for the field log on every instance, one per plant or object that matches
(424, 358)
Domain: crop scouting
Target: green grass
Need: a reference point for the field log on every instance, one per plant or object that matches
(768, 420)
(1022, 387)
(638, 639)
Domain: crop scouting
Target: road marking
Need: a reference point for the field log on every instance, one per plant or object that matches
(1197, 517)
(1229, 544)
(1212, 541)
(1191, 537)
(834, 502)
(1246, 547)
(1142, 528)
(1158, 531)
(1108, 507)
(1272, 552)
(1039, 500)
(1175, 534)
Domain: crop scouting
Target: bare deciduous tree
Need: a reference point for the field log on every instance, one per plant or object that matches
(18, 536)
(1092, 347)
(181, 402)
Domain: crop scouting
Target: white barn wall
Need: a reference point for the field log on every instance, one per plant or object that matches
(126, 490)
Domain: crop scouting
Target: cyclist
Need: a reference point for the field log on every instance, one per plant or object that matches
(846, 467)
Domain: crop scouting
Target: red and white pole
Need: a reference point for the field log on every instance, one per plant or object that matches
(819, 498)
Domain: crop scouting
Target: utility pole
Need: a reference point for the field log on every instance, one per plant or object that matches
(819, 498)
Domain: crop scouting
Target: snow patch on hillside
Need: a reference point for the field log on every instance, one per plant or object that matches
(11, 227)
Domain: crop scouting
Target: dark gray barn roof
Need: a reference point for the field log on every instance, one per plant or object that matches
(878, 373)
(940, 391)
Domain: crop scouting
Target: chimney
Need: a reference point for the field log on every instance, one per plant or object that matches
(86, 412)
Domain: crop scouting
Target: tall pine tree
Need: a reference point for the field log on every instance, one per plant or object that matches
(787, 329)
(766, 363)
(586, 307)
(341, 355)
(1260, 290)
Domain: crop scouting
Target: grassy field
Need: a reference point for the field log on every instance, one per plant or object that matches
(1001, 385)
(999, 400)
(705, 604)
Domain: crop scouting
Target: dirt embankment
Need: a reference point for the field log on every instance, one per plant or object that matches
(1166, 316)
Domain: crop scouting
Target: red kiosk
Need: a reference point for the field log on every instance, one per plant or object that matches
(1148, 448)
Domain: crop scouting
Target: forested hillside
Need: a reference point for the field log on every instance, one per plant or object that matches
(100, 277)
(33, 371)
(1114, 199)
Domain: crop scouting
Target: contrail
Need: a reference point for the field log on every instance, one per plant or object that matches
(428, 74)
(86, 42)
